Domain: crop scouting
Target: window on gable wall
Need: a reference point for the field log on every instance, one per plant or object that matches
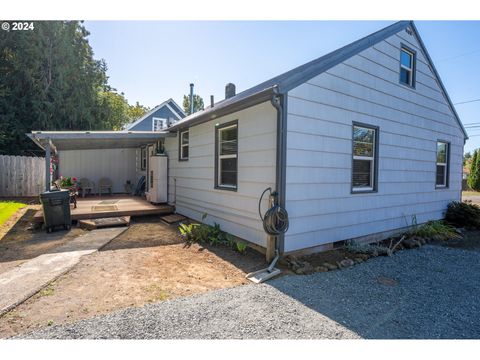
(407, 67)
(442, 164)
(364, 159)
(158, 124)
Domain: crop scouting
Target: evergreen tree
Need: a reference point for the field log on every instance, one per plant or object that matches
(197, 104)
(49, 80)
(473, 179)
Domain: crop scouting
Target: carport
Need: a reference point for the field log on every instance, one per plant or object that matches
(96, 154)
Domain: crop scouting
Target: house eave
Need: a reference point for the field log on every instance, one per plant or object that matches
(223, 109)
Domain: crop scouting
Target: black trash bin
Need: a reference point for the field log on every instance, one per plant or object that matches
(56, 209)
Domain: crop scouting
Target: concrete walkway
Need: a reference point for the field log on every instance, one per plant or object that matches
(20, 283)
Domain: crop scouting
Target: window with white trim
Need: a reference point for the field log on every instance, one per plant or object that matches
(158, 124)
(442, 164)
(407, 67)
(184, 145)
(364, 158)
(227, 156)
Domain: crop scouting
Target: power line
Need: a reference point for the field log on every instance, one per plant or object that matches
(466, 102)
(459, 56)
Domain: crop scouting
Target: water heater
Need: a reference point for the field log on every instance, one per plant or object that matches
(157, 179)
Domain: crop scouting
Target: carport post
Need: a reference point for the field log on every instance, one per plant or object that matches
(47, 165)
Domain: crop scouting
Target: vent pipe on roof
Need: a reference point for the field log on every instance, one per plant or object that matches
(212, 102)
(191, 98)
(229, 90)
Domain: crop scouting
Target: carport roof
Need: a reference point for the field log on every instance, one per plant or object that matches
(82, 140)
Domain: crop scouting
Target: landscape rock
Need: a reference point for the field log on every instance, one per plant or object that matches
(321, 269)
(358, 260)
(308, 268)
(330, 266)
(410, 243)
(345, 263)
(362, 256)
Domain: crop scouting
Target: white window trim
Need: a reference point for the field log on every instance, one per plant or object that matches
(182, 145)
(409, 69)
(230, 156)
(156, 119)
(367, 158)
(444, 164)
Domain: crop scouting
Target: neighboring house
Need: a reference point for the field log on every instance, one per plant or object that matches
(159, 118)
(358, 143)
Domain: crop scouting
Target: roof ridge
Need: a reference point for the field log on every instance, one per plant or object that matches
(294, 77)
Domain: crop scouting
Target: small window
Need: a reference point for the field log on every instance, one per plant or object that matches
(183, 148)
(364, 158)
(158, 124)
(226, 143)
(407, 67)
(143, 158)
(442, 164)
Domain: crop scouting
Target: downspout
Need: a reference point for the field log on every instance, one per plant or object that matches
(279, 102)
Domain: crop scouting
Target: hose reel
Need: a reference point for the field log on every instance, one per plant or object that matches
(275, 219)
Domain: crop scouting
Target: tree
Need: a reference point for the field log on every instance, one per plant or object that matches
(466, 157)
(51, 81)
(197, 103)
(473, 179)
(136, 111)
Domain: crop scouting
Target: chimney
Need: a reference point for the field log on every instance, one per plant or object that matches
(191, 98)
(229, 90)
(212, 102)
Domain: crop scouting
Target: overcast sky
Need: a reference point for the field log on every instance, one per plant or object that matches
(151, 61)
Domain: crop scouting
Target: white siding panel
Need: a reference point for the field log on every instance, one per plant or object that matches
(191, 183)
(116, 164)
(366, 89)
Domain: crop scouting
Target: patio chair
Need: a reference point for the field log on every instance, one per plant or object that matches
(105, 184)
(86, 186)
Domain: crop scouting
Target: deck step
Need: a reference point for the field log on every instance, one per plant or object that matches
(173, 218)
(92, 224)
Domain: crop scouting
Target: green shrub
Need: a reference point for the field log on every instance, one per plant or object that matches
(434, 230)
(241, 247)
(203, 233)
(462, 214)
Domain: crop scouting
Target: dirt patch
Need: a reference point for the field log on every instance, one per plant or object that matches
(21, 241)
(145, 264)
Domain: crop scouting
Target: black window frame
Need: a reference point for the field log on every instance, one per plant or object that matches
(374, 189)
(408, 49)
(218, 128)
(143, 157)
(447, 164)
(180, 147)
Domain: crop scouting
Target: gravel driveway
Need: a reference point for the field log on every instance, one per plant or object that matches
(435, 295)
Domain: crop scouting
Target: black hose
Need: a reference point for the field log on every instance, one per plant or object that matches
(275, 220)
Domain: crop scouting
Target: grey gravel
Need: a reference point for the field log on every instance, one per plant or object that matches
(436, 296)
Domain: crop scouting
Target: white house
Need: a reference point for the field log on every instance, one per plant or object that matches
(357, 143)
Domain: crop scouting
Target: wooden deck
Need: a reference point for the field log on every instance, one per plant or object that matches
(111, 206)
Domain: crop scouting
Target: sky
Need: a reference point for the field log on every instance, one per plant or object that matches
(152, 61)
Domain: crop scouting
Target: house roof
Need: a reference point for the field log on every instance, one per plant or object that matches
(295, 77)
(81, 140)
(180, 114)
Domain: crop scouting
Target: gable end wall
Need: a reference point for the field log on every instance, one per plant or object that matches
(366, 89)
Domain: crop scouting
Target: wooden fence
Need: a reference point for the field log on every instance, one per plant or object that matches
(21, 175)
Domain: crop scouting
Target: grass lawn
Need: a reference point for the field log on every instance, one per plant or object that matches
(7, 209)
